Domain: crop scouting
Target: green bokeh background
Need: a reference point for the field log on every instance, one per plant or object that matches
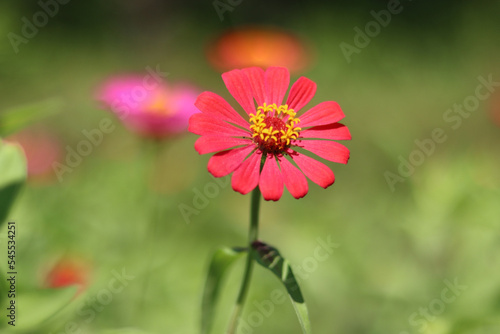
(396, 248)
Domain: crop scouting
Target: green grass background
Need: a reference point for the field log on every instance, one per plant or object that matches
(396, 248)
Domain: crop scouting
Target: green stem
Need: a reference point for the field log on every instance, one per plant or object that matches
(152, 150)
(151, 243)
(245, 284)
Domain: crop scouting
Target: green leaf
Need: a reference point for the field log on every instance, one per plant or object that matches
(21, 116)
(222, 259)
(12, 176)
(270, 258)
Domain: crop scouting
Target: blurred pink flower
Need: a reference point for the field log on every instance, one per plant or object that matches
(258, 46)
(148, 106)
(41, 148)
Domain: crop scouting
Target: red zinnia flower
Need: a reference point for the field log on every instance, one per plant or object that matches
(272, 132)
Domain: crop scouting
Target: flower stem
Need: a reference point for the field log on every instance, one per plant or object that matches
(252, 236)
(152, 153)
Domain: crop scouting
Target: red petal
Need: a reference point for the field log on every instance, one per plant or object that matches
(210, 144)
(223, 163)
(256, 77)
(324, 113)
(318, 172)
(212, 104)
(271, 180)
(295, 181)
(205, 124)
(238, 85)
(246, 177)
(326, 149)
(334, 131)
(301, 93)
(276, 83)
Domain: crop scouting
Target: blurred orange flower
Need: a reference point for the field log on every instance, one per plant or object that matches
(258, 46)
(495, 108)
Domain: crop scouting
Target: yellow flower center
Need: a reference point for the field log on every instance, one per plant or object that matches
(274, 127)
